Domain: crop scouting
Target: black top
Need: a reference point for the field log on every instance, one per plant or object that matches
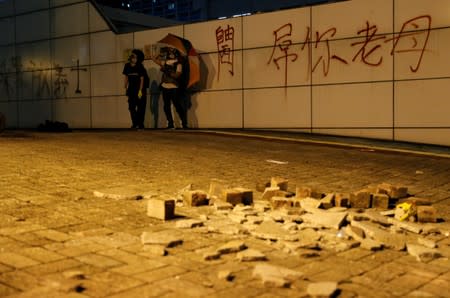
(134, 74)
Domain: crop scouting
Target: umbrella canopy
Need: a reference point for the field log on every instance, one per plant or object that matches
(186, 49)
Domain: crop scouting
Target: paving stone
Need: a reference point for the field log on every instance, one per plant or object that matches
(393, 191)
(426, 214)
(250, 255)
(238, 195)
(269, 192)
(188, 223)
(161, 208)
(281, 183)
(276, 276)
(280, 202)
(380, 201)
(371, 244)
(231, 247)
(307, 192)
(327, 202)
(390, 240)
(342, 200)
(408, 226)
(194, 198)
(426, 242)
(333, 220)
(422, 253)
(161, 238)
(157, 250)
(360, 199)
(322, 289)
(16, 260)
(273, 231)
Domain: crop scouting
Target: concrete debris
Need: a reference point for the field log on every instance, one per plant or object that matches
(270, 230)
(157, 250)
(333, 220)
(393, 191)
(426, 214)
(276, 276)
(270, 192)
(237, 195)
(307, 192)
(322, 289)
(389, 240)
(327, 202)
(360, 199)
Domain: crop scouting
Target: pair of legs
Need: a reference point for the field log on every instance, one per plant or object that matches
(175, 96)
(136, 106)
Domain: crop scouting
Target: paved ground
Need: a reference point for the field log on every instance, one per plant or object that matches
(57, 239)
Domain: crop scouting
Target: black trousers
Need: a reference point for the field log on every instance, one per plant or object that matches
(136, 106)
(175, 96)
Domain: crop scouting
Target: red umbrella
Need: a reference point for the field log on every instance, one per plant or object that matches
(186, 49)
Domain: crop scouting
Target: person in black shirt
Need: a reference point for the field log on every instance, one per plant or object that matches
(135, 74)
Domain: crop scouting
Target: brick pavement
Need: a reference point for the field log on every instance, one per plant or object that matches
(58, 239)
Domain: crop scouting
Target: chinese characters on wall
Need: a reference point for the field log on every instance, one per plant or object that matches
(412, 38)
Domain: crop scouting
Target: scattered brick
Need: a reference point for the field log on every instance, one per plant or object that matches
(426, 214)
(393, 191)
(380, 201)
(327, 202)
(360, 199)
(276, 276)
(280, 202)
(161, 208)
(194, 198)
(270, 192)
(307, 192)
(342, 200)
(236, 196)
(422, 253)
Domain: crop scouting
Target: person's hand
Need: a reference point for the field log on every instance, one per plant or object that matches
(140, 94)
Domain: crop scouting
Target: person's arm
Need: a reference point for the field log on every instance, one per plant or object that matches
(125, 81)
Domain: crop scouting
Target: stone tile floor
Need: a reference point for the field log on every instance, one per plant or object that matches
(57, 239)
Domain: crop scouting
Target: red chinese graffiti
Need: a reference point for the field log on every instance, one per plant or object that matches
(225, 48)
(364, 51)
(412, 38)
(282, 43)
(421, 27)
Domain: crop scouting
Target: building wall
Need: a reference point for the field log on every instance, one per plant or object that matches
(354, 68)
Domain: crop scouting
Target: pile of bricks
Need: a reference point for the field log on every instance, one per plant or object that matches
(307, 220)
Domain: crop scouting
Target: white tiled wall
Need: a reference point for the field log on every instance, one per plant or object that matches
(315, 69)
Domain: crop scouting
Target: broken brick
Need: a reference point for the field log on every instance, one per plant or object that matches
(161, 208)
(360, 199)
(195, 198)
(380, 201)
(426, 214)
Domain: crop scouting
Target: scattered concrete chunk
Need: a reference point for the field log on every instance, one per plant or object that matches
(276, 276)
(333, 220)
(194, 198)
(269, 192)
(395, 241)
(327, 202)
(232, 246)
(279, 182)
(250, 255)
(270, 230)
(309, 203)
(322, 289)
(408, 226)
(422, 253)
(161, 208)
(188, 223)
(160, 238)
(372, 245)
(355, 232)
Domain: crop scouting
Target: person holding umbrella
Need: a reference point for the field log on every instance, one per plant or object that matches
(136, 84)
(172, 86)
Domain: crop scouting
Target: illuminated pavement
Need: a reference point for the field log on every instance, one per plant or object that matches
(59, 240)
